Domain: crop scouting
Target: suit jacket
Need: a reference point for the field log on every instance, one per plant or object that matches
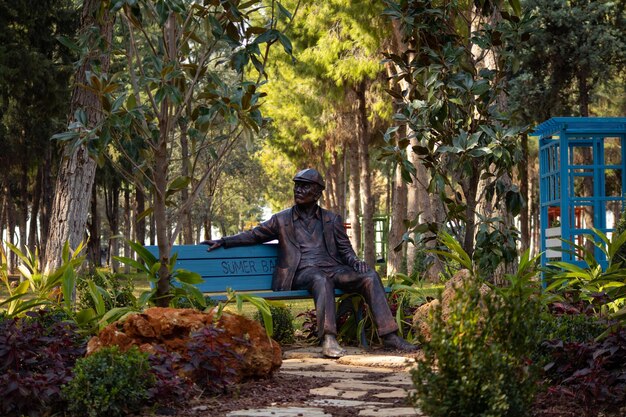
(280, 226)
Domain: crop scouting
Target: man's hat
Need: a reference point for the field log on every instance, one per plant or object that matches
(310, 175)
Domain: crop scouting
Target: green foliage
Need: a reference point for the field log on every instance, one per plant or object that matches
(183, 281)
(591, 281)
(282, 320)
(450, 105)
(620, 255)
(109, 383)
(477, 362)
(263, 306)
(572, 49)
(40, 287)
(34, 69)
(117, 290)
(572, 327)
(406, 295)
(311, 99)
(354, 319)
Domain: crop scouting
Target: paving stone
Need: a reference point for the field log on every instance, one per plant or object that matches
(332, 392)
(391, 412)
(336, 402)
(325, 392)
(316, 352)
(361, 385)
(326, 374)
(331, 365)
(398, 378)
(400, 393)
(280, 412)
(377, 361)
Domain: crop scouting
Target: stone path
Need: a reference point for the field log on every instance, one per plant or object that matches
(359, 384)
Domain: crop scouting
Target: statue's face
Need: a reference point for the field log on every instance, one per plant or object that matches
(305, 192)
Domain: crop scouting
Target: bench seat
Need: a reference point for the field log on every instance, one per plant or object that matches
(245, 269)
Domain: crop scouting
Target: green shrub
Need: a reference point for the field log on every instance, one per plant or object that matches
(190, 302)
(109, 383)
(572, 327)
(117, 290)
(283, 324)
(620, 255)
(477, 361)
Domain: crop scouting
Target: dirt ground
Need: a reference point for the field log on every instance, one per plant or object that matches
(281, 389)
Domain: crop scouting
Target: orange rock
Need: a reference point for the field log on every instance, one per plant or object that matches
(171, 328)
(420, 317)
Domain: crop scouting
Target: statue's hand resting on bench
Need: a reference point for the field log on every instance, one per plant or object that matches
(213, 244)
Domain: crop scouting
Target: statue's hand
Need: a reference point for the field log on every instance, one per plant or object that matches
(360, 266)
(213, 244)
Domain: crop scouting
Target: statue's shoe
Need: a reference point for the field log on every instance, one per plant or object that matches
(395, 342)
(331, 348)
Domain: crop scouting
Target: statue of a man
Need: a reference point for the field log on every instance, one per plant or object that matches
(315, 254)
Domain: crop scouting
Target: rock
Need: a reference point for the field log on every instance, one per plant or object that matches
(171, 329)
(449, 293)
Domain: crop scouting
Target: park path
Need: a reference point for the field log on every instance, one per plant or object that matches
(359, 384)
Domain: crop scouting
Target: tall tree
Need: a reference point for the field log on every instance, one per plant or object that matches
(34, 69)
(185, 76)
(573, 47)
(450, 109)
(337, 58)
(77, 170)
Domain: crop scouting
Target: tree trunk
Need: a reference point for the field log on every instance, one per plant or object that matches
(161, 160)
(33, 240)
(470, 189)
(140, 225)
(186, 215)
(77, 170)
(396, 231)
(524, 218)
(93, 246)
(46, 198)
(11, 257)
(127, 227)
(112, 203)
(23, 208)
(354, 189)
(367, 203)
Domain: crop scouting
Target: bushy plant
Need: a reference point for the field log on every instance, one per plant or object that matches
(309, 325)
(170, 388)
(593, 283)
(109, 383)
(354, 320)
(37, 354)
(477, 362)
(211, 359)
(116, 289)
(576, 327)
(283, 324)
(590, 374)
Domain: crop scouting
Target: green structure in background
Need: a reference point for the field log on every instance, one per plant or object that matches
(381, 233)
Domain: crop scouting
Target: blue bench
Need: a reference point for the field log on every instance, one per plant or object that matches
(246, 269)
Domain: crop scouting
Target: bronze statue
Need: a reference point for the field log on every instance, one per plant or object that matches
(315, 254)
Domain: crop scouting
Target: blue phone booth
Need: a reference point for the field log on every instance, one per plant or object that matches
(582, 174)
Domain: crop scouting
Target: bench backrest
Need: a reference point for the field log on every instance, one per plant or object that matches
(244, 268)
